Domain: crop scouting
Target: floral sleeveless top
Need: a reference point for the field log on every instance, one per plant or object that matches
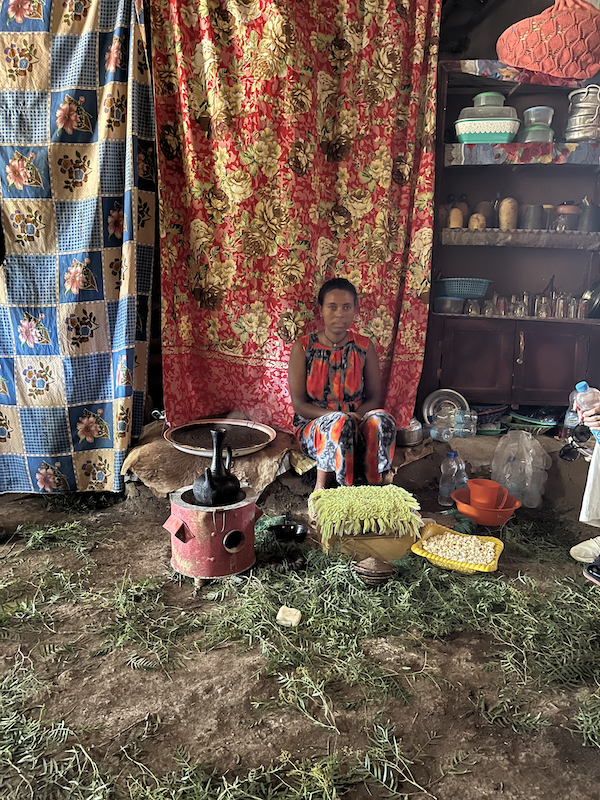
(334, 377)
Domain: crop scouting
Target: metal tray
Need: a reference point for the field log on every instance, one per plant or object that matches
(434, 402)
(243, 436)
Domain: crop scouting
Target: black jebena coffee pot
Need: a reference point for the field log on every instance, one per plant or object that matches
(217, 487)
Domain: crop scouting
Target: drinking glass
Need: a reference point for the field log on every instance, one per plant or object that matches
(572, 308)
(543, 306)
(582, 309)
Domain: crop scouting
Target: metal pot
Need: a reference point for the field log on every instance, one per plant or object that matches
(412, 435)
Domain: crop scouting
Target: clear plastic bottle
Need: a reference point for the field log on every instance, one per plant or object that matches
(571, 420)
(460, 481)
(514, 477)
(587, 398)
(448, 471)
(442, 429)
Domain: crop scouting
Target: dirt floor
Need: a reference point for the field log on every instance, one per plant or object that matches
(219, 704)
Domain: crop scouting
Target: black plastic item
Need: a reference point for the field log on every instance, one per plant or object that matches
(581, 433)
(289, 530)
(592, 571)
(592, 295)
(569, 453)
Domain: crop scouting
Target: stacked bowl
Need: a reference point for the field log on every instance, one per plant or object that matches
(537, 128)
(485, 502)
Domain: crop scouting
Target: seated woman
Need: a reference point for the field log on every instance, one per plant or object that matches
(335, 388)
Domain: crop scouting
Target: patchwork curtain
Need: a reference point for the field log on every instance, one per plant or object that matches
(295, 144)
(77, 176)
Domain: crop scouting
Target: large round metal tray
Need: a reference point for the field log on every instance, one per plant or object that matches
(243, 436)
(442, 398)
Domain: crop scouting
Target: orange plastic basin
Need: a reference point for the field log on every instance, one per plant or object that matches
(484, 516)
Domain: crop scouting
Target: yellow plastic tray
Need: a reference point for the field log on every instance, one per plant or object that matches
(433, 529)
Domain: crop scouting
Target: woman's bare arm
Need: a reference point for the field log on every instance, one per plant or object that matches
(372, 383)
(297, 383)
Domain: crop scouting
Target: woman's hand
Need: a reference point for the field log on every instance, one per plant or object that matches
(591, 418)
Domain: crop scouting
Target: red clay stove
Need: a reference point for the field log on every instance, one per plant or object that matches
(212, 541)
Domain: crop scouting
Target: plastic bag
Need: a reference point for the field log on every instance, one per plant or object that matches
(533, 461)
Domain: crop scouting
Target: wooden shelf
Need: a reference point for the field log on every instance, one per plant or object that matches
(483, 155)
(494, 237)
(556, 320)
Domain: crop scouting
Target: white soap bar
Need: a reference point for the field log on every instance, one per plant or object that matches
(290, 617)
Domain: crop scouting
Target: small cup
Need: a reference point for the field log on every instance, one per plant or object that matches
(589, 219)
(486, 494)
(489, 308)
(533, 218)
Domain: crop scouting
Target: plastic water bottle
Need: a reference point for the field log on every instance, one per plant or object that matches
(460, 481)
(587, 398)
(571, 420)
(514, 477)
(442, 429)
(448, 471)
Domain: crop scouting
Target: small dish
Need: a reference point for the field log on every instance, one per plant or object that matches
(538, 115)
(492, 431)
(447, 398)
(448, 305)
(289, 530)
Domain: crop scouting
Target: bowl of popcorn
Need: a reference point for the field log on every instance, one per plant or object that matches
(491, 517)
(462, 552)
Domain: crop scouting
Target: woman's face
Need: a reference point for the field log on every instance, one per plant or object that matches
(338, 311)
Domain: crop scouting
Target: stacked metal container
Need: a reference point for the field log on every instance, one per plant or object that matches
(583, 123)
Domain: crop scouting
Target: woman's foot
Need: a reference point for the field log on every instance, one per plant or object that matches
(324, 479)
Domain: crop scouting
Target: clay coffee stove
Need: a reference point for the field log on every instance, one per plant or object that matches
(211, 541)
(212, 522)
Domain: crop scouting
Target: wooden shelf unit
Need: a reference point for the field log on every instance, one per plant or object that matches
(510, 359)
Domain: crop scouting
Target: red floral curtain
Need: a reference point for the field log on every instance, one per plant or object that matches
(295, 144)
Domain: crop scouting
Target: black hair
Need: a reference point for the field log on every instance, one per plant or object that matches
(342, 284)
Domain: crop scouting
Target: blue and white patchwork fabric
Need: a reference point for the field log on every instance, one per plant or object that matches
(77, 209)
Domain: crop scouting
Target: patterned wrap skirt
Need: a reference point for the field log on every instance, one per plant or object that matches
(361, 450)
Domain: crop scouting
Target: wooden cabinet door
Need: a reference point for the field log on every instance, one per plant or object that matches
(550, 357)
(477, 358)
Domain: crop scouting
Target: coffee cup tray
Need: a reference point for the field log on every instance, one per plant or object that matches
(243, 436)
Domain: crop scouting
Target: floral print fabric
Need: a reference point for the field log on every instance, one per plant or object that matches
(77, 183)
(295, 144)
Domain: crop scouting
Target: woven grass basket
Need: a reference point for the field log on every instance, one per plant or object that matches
(433, 529)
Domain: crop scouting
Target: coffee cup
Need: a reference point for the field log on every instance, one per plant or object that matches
(533, 217)
(486, 494)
